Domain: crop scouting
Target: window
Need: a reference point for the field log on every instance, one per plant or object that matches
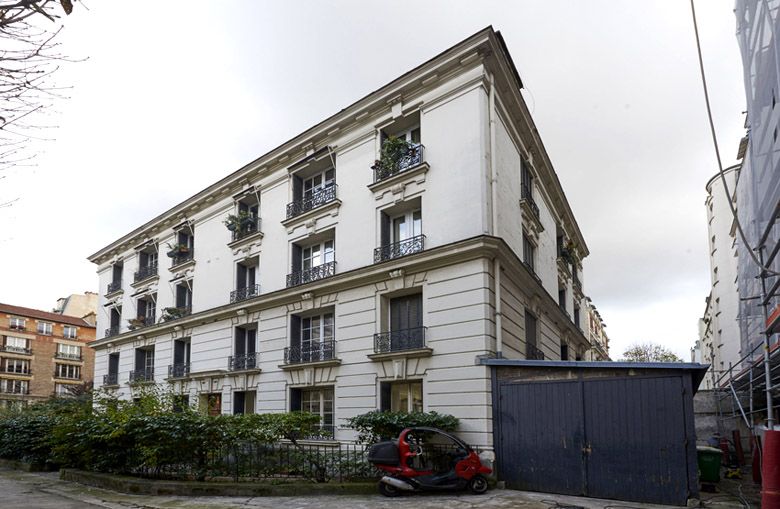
(318, 254)
(311, 338)
(146, 311)
(318, 182)
(182, 248)
(67, 371)
(16, 366)
(44, 328)
(244, 402)
(63, 389)
(401, 232)
(112, 378)
(17, 345)
(577, 317)
(244, 350)
(144, 365)
(181, 403)
(312, 190)
(246, 280)
(401, 396)
(318, 401)
(181, 359)
(17, 324)
(562, 298)
(9, 386)
(313, 261)
(68, 352)
(406, 312)
(212, 403)
(116, 278)
(69, 332)
(531, 351)
(564, 352)
(147, 263)
(528, 253)
(114, 320)
(183, 300)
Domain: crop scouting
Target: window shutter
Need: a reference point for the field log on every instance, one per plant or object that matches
(415, 311)
(297, 187)
(113, 363)
(250, 271)
(297, 258)
(384, 396)
(396, 313)
(142, 308)
(251, 340)
(178, 352)
(140, 360)
(564, 352)
(385, 229)
(238, 402)
(530, 329)
(295, 400)
(295, 331)
(240, 341)
(240, 277)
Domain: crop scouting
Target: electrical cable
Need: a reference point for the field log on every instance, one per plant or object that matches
(717, 151)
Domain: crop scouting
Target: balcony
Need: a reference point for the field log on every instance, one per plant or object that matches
(145, 273)
(311, 201)
(111, 379)
(114, 287)
(112, 331)
(68, 356)
(243, 362)
(15, 349)
(174, 313)
(313, 352)
(180, 370)
(402, 340)
(532, 353)
(142, 375)
(182, 257)
(399, 249)
(527, 196)
(247, 229)
(312, 274)
(411, 159)
(244, 293)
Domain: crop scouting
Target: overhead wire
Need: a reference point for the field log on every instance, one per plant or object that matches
(717, 151)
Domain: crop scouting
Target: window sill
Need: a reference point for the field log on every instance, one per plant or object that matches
(416, 174)
(331, 208)
(313, 364)
(255, 237)
(417, 352)
(245, 371)
(149, 279)
(114, 293)
(529, 218)
(182, 266)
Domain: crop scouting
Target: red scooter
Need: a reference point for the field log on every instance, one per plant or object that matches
(411, 459)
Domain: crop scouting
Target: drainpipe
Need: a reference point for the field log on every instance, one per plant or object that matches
(494, 213)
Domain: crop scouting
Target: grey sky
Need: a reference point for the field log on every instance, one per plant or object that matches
(176, 95)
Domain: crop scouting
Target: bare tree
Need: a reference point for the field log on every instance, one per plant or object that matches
(28, 57)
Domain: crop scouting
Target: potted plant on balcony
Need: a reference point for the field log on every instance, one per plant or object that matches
(172, 313)
(136, 323)
(177, 250)
(394, 151)
(239, 222)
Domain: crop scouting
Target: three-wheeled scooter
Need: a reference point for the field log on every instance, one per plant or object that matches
(412, 459)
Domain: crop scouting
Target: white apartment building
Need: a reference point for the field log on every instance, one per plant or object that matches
(719, 338)
(597, 334)
(349, 284)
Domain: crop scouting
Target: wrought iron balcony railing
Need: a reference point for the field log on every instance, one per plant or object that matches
(244, 293)
(527, 195)
(68, 356)
(112, 331)
(145, 272)
(410, 160)
(142, 375)
(182, 258)
(532, 353)
(312, 274)
(400, 340)
(243, 361)
(399, 249)
(247, 229)
(311, 201)
(114, 286)
(179, 370)
(111, 379)
(15, 349)
(312, 352)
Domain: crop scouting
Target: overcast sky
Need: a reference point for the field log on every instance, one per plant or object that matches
(175, 95)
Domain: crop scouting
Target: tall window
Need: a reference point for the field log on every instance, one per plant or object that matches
(245, 343)
(44, 328)
(67, 371)
(68, 351)
(246, 280)
(319, 181)
(19, 345)
(14, 386)
(528, 253)
(17, 323)
(401, 396)
(244, 402)
(181, 358)
(116, 278)
(318, 401)
(318, 254)
(147, 310)
(184, 297)
(16, 366)
(144, 365)
(69, 332)
(406, 312)
(531, 351)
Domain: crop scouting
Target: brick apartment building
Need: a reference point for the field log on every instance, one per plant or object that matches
(42, 354)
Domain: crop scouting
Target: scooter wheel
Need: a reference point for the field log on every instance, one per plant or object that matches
(478, 484)
(389, 491)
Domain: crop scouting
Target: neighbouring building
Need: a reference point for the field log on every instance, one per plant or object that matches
(596, 333)
(338, 276)
(719, 339)
(42, 354)
(81, 306)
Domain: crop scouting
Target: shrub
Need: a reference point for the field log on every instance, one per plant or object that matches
(377, 425)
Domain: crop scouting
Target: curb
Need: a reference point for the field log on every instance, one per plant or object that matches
(137, 486)
(28, 467)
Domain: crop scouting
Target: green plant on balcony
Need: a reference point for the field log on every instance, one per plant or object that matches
(177, 250)
(394, 151)
(239, 222)
(172, 313)
(136, 323)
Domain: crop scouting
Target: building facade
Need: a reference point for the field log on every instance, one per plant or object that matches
(42, 354)
(79, 305)
(596, 333)
(368, 263)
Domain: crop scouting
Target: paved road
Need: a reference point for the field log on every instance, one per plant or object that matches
(46, 490)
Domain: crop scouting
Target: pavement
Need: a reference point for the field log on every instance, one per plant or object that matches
(46, 490)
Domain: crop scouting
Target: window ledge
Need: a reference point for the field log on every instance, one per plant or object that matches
(332, 208)
(202, 375)
(145, 280)
(563, 268)
(255, 236)
(247, 371)
(314, 364)
(182, 266)
(529, 217)
(417, 352)
(416, 173)
(115, 293)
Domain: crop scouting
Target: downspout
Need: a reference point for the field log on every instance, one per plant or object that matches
(494, 212)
